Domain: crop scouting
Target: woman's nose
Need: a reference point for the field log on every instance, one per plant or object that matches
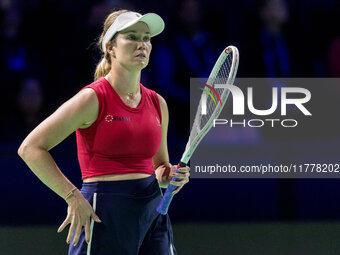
(141, 45)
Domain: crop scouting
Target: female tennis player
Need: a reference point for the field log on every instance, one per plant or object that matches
(121, 129)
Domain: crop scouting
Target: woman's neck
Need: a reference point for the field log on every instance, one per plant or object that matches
(124, 81)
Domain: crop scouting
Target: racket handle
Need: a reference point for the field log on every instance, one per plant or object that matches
(163, 206)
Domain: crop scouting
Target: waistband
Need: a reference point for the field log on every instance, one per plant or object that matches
(124, 186)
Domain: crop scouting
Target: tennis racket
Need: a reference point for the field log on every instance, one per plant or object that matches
(224, 72)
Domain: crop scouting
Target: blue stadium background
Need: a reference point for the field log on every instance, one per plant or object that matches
(48, 52)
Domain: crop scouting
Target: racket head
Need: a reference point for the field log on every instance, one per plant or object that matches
(223, 72)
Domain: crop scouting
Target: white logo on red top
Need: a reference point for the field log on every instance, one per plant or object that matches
(110, 118)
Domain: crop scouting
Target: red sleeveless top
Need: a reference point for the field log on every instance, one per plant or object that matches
(122, 139)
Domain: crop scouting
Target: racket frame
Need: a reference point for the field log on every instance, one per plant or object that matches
(192, 144)
(191, 147)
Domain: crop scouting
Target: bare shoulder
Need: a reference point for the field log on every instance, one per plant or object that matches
(164, 109)
(87, 96)
(162, 102)
(88, 102)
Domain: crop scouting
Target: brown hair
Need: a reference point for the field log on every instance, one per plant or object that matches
(104, 69)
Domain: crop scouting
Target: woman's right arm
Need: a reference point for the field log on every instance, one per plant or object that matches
(80, 111)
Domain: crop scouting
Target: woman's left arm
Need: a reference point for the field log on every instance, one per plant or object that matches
(164, 170)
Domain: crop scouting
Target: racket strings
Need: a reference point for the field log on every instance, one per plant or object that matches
(220, 76)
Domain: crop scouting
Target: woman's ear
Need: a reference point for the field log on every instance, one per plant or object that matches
(110, 49)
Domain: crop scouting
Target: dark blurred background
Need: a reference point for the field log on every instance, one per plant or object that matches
(48, 53)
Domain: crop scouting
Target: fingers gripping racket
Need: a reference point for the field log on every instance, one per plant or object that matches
(224, 72)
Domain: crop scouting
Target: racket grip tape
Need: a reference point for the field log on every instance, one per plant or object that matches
(163, 206)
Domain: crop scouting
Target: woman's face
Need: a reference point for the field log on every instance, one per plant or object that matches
(132, 47)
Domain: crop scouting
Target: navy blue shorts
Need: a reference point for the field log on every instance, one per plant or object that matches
(130, 223)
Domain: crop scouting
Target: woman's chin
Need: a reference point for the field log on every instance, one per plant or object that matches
(140, 65)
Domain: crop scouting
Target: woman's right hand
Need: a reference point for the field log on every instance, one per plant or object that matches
(79, 214)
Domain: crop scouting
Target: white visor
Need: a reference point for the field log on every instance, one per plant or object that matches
(127, 19)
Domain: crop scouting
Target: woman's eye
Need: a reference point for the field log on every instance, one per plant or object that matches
(135, 38)
(132, 37)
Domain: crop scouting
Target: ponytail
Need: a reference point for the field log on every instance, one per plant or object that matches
(104, 66)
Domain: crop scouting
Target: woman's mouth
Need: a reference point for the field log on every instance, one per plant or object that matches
(141, 55)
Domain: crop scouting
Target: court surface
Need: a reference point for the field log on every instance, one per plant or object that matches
(312, 238)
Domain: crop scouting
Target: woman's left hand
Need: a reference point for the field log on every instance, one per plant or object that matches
(183, 176)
